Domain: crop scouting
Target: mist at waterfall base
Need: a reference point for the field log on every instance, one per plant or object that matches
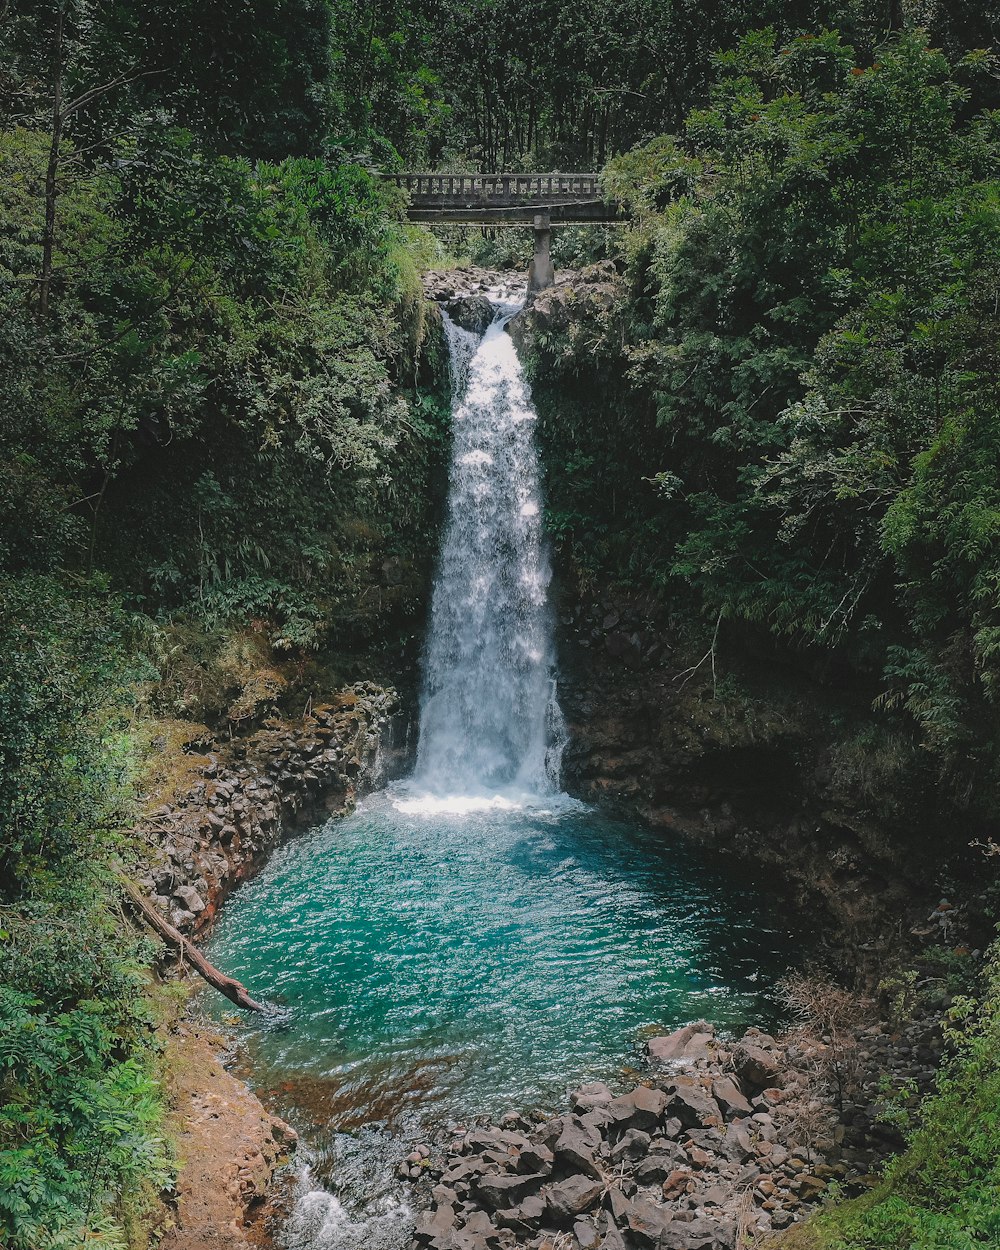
(472, 940)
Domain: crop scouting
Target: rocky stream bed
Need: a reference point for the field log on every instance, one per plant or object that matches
(723, 1142)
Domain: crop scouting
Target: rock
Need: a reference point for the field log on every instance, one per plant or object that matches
(810, 1187)
(506, 1190)
(572, 1197)
(699, 1158)
(714, 1196)
(189, 898)
(283, 1133)
(727, 1094)
(479, 1224)
(471, 312)
(586, 1235)
(524, 1218)
(641, 1109)
(687, 1044)
(632, 1146)
(692, 1104)
(587, 1097)
(755, 1067)
(577, 1147)
(658, 1166)
(612, 1240)
(434, 1225)
(738, 1145)
(647, 1223)
(618, 1204)
(676, 1183)
(535, 1158)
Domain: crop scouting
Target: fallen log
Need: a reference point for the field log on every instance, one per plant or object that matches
(233, 990)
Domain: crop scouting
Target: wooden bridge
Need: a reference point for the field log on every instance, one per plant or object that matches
(515, 198)
(538, 200)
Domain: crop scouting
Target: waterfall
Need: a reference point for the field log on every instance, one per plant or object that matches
(489, 717)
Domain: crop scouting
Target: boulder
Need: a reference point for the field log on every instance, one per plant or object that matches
(756, 1068)
(676, 1183)
(572, 1197)
(586, 1235)
(525, 1218)
(471, 312)
(188, 897)
(641, 1109)
(577, 1146)
(692, 1104)
(632, 1146)
(434, 1225)
(658, 1166)
(731, 1101)
(647, 1223)
(507, 1190)
(535, 1158)
(683, 1045)
(587, 1097)
(612, 1240)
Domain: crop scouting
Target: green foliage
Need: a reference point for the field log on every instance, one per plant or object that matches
(79, 1109)
(943, 1192)
(220, 415)
(812, 317)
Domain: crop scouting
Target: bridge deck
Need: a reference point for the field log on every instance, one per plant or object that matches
(505, 197)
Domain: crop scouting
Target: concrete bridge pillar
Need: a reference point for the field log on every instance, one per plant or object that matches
(540, 271)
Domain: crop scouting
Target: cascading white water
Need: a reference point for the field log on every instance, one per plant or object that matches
(489, 717)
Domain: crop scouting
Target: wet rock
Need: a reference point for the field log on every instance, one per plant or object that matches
(472, 312)
(686, 1044)
(284, 1134)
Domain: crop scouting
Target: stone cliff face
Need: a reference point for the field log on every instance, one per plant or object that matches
(252, 792)
(756, 773)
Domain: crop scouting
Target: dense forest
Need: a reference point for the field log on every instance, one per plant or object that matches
(224, 413)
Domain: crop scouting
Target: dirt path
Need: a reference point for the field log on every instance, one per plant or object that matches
(229, 1148)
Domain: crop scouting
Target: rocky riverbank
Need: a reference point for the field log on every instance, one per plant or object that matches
(246, 796)
(228, 1145)
(721, 1143)
(252, 792)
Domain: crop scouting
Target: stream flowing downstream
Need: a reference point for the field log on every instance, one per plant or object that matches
(473, 940)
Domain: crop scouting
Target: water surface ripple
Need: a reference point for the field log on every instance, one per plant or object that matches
(451, 963)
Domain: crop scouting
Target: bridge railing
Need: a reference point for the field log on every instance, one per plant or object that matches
(508, 188)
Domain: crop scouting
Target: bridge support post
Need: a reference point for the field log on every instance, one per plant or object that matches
(540, 271)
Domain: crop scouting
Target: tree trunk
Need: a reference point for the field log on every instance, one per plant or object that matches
(52, 171)
(233, 990)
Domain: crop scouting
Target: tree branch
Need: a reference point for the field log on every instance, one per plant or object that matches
(233, 990)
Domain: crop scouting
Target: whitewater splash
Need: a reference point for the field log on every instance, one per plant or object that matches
(490, 722)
